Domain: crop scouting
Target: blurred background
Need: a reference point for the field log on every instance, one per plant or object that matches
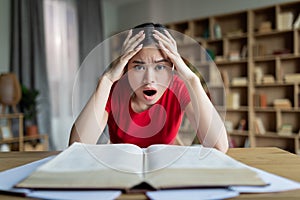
(44, 42)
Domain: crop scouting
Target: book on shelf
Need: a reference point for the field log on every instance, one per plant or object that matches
(225, 78)
(260, 100)
(263, 100)
(259, 50)
(124, 166)
(233, 100)
(291, 78)
(282, 103)
(235, 33)
(268, 78)
(239, 81)
(234, 56)
(285, 20)
(286, 130)
(265, 26)
(244, 51)
(214, 76)
(256, 100)
(259, 126)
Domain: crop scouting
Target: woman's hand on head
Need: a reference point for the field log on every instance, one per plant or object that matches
(129, 49)
(168, 45)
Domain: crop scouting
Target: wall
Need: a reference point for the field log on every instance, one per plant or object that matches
(139, 11)
(4, 35)
(121, 16)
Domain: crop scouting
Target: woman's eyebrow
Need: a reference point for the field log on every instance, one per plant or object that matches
(138, 62)
(162, 60)
(157, 61)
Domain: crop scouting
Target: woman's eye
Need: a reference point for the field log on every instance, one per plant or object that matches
(139, 67)
(160, 67)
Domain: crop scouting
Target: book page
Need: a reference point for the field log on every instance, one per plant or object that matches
(93, 157)
(162, 156)
(90, 166)
(195, 166)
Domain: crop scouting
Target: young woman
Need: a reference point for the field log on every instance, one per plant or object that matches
(144, 95)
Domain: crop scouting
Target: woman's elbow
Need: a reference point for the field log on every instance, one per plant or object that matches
(74, 137)
(223, 147)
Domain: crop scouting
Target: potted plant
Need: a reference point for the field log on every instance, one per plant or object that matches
(28, 105)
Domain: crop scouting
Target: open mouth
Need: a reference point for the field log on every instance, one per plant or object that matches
(149, 92)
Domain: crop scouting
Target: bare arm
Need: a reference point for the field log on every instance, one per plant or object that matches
(91, 121)
(210, 128)
(93, 118)
(201, 113)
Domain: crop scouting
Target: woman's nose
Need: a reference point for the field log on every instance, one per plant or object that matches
(149, 76)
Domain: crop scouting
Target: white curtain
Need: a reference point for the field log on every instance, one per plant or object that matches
(62, 57)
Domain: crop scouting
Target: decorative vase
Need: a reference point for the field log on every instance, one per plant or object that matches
(10, 91)
(32, 130)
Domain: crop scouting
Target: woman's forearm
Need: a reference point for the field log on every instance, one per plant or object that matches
(210, 127)
(93, 118)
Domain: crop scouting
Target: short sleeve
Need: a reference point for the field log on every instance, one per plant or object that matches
(181, 92)
(108, 103)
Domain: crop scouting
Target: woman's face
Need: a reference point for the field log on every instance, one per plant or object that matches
(149, 75)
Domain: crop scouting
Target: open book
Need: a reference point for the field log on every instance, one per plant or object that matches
(124, 166)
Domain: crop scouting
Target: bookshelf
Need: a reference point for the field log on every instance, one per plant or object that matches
(22, 142)
(259, 50)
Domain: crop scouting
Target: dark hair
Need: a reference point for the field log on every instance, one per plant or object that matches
(148, 28)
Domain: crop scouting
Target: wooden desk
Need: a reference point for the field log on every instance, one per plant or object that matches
(272, 160)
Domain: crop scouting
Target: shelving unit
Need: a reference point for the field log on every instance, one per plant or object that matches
(20, 141)
(267, 52)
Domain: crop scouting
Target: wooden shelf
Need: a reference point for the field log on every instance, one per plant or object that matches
(21, 139)
(239, 133)
(274, 51)
(25, 138)
(275, 135)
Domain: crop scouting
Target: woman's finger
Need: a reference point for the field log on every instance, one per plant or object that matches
(128, 55)
(166, 37)
(137, 41)
(166, 41)
(134, 41)
(166, 44)
(166, 50)
(128, 36)
(160, 36)
(170, 37)
(134, 38)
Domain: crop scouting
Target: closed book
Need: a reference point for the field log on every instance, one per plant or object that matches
(259, 126)
(292, 77)
(282, 103)
(263, 100)
(239, 81)
(285, 20)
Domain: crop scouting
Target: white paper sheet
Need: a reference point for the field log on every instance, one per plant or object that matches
(11, 177)
(192, 194)
(277, 184)
(75, 195)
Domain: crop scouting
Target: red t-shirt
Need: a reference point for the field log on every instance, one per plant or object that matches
(157, 125)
